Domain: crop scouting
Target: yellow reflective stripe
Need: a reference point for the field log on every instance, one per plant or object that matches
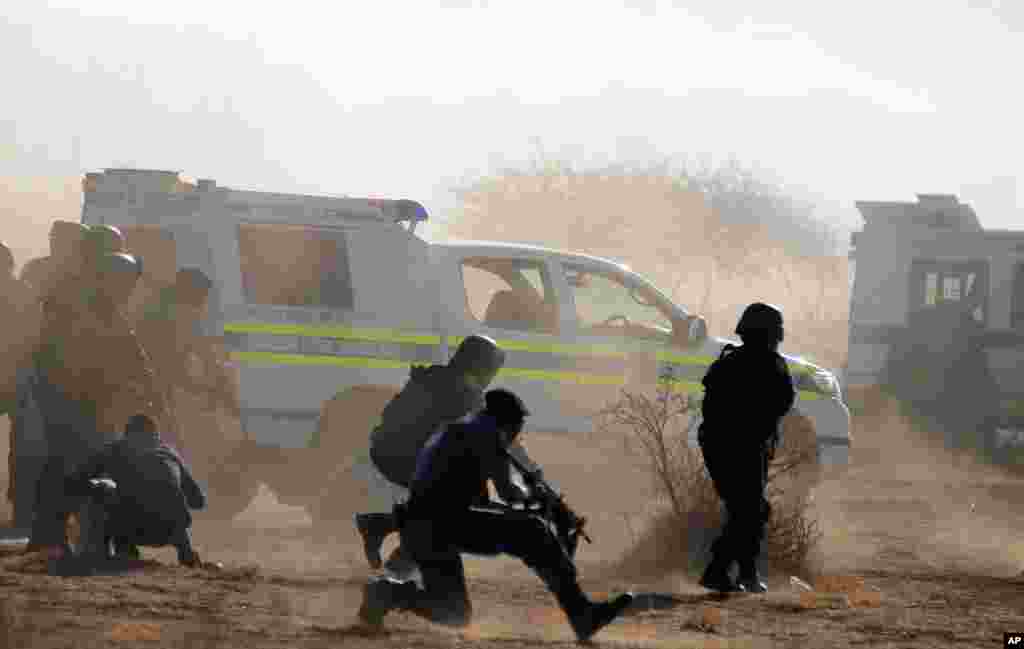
(332, 331)
(273, 358)
(685, 359)
(551, 348)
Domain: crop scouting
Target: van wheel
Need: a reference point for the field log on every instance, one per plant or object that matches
(344, 439)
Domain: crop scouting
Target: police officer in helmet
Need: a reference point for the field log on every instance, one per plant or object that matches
(432, 397)
(449, 513)
(747, 391)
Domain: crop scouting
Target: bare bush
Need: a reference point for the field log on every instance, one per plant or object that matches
(660, 426)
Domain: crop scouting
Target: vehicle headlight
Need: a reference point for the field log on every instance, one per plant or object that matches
(825, 383)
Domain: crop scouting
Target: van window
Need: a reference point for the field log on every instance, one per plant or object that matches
(606, 304)
(511, 294)
(294, 266)
(1017, 307)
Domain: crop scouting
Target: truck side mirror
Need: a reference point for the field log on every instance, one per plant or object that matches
(698, 330)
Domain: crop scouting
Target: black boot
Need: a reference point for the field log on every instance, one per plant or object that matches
(585, 617)
(383, 595)
(400, 564)
(716, 576)
(750, 579)
(374, 528)
(597, 615)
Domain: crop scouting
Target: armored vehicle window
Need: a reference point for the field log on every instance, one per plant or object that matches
(606, 304)
(510, 294)
(294, 266)
(935, 282)
(1017, 308)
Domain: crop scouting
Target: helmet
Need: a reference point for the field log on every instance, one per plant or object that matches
(117, 263)
(71, 230)
(104, 239)
(760, 320)
(505, 406)
(66, 237)
(478, 354)
(193, 278)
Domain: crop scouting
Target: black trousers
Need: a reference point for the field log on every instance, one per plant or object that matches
(740, 477)
(436, 545)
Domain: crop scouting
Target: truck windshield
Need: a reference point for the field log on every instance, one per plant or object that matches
(294, 266)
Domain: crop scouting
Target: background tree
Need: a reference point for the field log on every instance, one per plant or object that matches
(714, 238)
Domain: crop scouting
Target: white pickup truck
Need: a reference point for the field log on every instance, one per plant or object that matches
(317, 296)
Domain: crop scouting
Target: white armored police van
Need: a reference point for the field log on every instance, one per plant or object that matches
(318, 296)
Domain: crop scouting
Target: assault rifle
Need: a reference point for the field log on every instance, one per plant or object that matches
(568, 526)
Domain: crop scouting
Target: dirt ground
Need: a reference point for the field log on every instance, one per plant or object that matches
(934, 537)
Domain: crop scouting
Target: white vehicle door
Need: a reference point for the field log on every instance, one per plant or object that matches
(625, 324)
(513, 299)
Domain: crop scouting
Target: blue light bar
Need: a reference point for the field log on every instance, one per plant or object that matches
(409, 210)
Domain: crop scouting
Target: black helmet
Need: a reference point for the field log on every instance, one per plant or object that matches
(119, 262)
(103, 240)
(760, 320)
(478, 353)
(505, 406)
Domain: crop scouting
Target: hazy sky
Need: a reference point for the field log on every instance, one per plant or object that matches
(848, 101)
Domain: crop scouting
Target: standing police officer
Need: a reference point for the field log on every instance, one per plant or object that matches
(449, 513)
(92, 377)
(747, 391)
(433, 397)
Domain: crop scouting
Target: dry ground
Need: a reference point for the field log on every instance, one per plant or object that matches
(935, 534)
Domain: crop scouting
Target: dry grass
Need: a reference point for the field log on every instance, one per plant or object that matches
(678, 537)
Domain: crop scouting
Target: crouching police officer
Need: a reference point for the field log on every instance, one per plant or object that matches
(433, 396)
(747, 391)
(154, 491)
(449, 513)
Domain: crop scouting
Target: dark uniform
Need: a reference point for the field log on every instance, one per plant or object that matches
(433, 396)
(747, 391)
(449, 513)
(155, 491)
(168, 332)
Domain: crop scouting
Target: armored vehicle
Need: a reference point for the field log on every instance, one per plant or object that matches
(937, 314)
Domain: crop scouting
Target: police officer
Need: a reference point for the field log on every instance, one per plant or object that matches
(42, 274)
(155, 491)
(19, 335)
(433, 397)
(92, 376)
(747, 391)
(449, 513)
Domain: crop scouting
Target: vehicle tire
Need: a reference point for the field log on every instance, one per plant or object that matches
(343, 432)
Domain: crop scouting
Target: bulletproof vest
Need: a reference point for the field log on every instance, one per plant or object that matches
(433, 397)
(746, 392)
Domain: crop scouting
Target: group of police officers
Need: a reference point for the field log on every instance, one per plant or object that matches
(443, 438)
(75, 370)
(439, 442)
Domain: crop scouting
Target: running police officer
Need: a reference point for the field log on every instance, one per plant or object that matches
(433, 397)
(449, 513)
